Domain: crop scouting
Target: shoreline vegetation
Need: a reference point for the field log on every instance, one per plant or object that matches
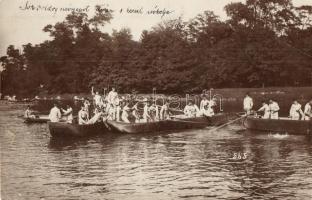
(262, 43)
(232, 98)
(228, 94)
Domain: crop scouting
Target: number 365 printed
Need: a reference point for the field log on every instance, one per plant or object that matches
(239, 156)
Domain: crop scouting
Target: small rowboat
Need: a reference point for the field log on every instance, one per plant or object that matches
(281, 125)
(157, 126)
(62, 129)
(215, 120)
(36, 119)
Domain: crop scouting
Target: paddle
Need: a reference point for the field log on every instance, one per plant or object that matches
(230, 122)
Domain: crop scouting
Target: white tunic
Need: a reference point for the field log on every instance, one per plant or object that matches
(274, 108)
(83, 117)
(125, 115)
(69, 115)
(266, 111)
(191, 111)
(308, 111)
(111, 97)
(145, 113)
(295, 111)
(164, 112)
(97, 99)
(248, 103)
(55, 114)
(203, 103)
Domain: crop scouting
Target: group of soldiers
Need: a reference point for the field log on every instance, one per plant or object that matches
(118, 108)
(129, 110)
(271, 109)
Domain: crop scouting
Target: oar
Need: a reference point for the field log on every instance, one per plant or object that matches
(176, 110)
(226, 124)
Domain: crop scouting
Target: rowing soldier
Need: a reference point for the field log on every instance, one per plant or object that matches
(308, 110)
(274, 108)
(146, 116)
(68, 113)
(117, 107)
(83, 116)
(164, 111)
(125, 113)
(135, 112)
(153, 112)
(295, 111)
(265, 109)
(248, 103)
(191, 110)
(55, 114)
(204, 102)
(96, 97)
(111, 96)
(28, 113)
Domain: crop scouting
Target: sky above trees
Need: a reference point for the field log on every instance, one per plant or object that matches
(18, 27)
(261, 43)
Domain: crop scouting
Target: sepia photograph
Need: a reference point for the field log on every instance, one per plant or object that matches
(155, 99)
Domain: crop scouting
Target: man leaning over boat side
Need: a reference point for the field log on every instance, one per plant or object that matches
(164, 111)
(248, 103)
(204, 102)
(55, 114)
(295, 110)
(265, 109)
(83, 116)
(274, 108)
(191, 109)
(68, 113)
(308, 110)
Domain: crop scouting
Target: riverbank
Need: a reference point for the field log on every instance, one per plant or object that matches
(231, 98)
(228, 94)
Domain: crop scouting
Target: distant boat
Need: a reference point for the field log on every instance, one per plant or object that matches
(62, 129)
(36, 119)
(281, 125)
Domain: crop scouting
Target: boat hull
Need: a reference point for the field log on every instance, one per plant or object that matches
(215, 120)
(40, 119)
(297, 127)
(61, 129)
(150, 127)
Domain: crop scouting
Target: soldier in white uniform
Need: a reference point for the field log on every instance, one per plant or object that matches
(248, 104)
(274, 108)
(191, 110)
(265, 109)
(111, 96)
(69, 114)
(55, 114)
(164, 111)
(295, 111)
(308, 111)
(204, 102)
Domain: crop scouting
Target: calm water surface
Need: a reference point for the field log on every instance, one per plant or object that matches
(196, 164)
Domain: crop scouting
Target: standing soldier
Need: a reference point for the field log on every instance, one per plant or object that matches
(248, 104)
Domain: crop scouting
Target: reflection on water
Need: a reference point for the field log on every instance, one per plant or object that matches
(196, 164)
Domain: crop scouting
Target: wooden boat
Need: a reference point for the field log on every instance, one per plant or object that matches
(215, 120)
(36, 119)
(281, 125)
(157, 126)
(62, 129)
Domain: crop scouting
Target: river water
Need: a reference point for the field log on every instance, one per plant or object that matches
(230, 163)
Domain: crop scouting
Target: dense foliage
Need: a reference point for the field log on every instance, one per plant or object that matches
(263, 43)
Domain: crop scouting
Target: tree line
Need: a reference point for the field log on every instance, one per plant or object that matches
(261, 43)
